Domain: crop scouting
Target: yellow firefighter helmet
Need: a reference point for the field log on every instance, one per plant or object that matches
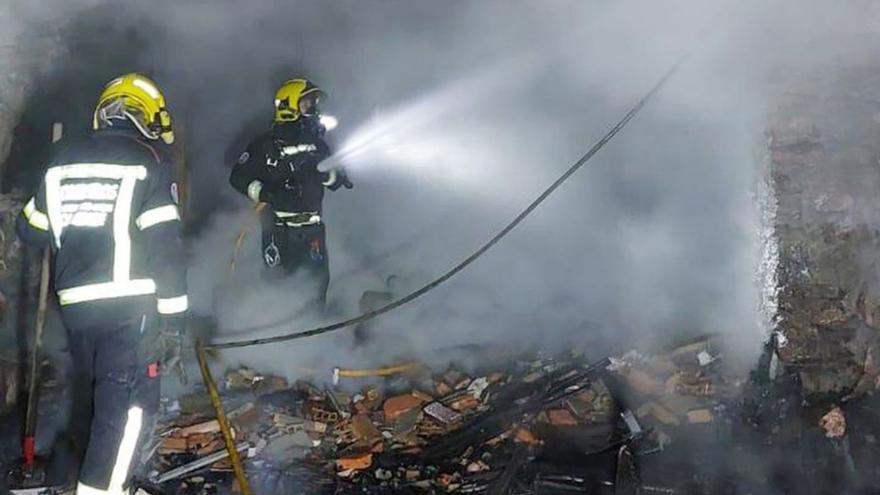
(295, 98)
(139, 100)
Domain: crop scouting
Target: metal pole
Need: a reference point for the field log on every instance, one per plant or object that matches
(197, 464)
(30, 424)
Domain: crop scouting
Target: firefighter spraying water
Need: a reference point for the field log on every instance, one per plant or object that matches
(279, 168)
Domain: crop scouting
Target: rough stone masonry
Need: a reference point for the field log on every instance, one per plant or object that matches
(824, 161)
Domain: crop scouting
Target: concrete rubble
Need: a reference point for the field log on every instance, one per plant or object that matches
(532, 425)
(455, 432)
(834, 423)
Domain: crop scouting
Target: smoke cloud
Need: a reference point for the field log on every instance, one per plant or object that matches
(458, 117)
(455, 115)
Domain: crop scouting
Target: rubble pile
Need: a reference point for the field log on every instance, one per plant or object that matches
(686, 386)
(540, 425)
(454, 432)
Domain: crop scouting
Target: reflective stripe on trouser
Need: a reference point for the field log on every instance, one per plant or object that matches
(113, 387)
(124, 456)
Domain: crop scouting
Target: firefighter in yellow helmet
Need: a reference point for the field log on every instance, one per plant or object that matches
(280, 168)
(136, 101)
(106, 209)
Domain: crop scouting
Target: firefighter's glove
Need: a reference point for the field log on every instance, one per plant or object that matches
(346, 182)
(342, 180)
(172, 333)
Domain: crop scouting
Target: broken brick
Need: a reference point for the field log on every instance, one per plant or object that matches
(246, 418)
(658, 412)
(354, 463)
(269, 383)
(345, 433)
(364, 429)
(642, 382)
(429, 429)
(212, 426)
(445, 480)
(662, 366)
(172, 445)
(373, 399)
(422, 396)
(209, 447)
(397, 406)
(321, 414)
(834, 423)
(700, 389)
(442, 389)
(525, 436)
(465, 403)
(562, 417)
(581, 405)
(453, 376)
(198, 441)
(462, 384)
(700, 416)
(496, 377)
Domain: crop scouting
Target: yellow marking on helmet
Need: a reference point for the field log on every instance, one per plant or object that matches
(149, 88)
(144, 105)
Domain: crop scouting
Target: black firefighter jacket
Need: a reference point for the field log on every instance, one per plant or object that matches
(280, 167)
(107, 208)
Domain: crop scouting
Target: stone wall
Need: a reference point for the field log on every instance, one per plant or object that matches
(824, 154)
(23, 60)
(12, 98)
(11, 260)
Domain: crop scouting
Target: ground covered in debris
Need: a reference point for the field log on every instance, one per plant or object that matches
(676, 422)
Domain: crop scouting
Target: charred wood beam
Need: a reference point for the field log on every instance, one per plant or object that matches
(513, 406)
(501, 486)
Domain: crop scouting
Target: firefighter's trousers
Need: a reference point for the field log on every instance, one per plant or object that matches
(288, 249)
(116, 390)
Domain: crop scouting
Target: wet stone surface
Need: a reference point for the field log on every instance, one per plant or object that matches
(823, 151)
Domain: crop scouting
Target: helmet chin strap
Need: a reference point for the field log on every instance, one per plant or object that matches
(116, 111)
(108, 113)
(140, 127)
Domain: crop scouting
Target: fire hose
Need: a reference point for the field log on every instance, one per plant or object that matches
(378, 372)
(479, 252)
(338, 373)
(366, 262)
(239, 241)
(228, 440)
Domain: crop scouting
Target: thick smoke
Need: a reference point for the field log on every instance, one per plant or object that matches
(467, 111)
(470, 109)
